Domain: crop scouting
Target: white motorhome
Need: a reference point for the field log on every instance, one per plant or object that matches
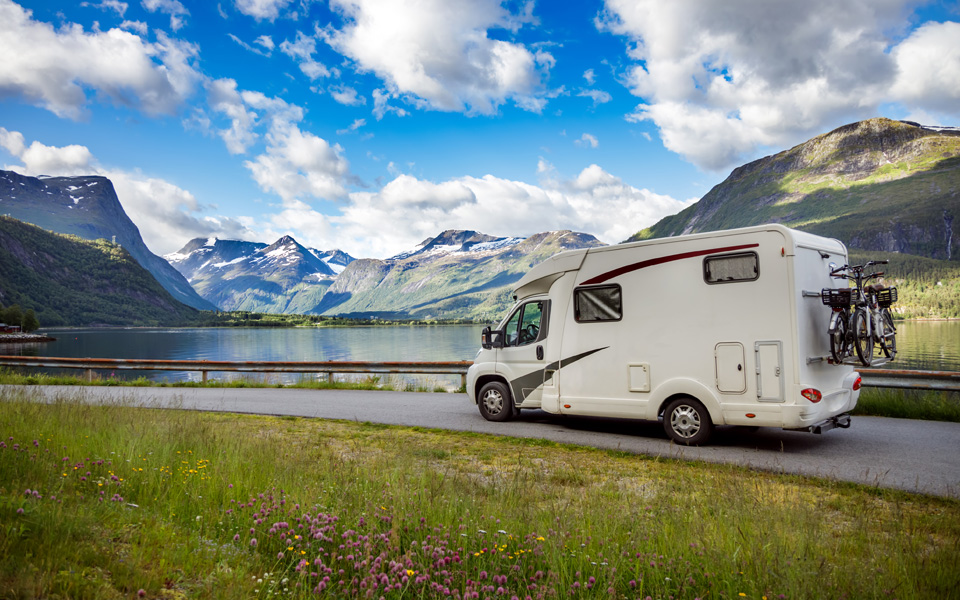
(721, 328)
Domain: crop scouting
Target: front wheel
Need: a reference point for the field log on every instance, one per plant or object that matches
(495, 402)
(687, 422)
(888, 339)
(838, 338)
(862, 337)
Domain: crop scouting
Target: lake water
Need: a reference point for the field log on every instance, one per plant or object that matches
(933, 345)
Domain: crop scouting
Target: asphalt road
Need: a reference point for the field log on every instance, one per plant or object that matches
(917, 456)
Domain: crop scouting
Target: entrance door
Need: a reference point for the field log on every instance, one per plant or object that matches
(769, 372)
(521, 360)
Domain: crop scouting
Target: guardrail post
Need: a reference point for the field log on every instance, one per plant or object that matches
(203, 377)
(463, 382)
(89, 374)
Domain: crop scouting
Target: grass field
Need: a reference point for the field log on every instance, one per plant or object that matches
(117, 502)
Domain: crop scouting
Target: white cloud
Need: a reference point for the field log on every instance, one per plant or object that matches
(302, 50)
(40, 159)
(224, 98)
(137, 26)
(266, 42)
(357, 124)
(174, 8)
(589, 76)
(408, 209)
(437, 53)
(587, 141)
(262, 10)
(55, 68)
(119, 7)
(724, 80)
(166, 214)
(299, 165)
(928, 68)
(381, 105)
(598, 96)
(346, 95)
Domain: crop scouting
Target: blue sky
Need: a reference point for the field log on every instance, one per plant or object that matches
(369, 125)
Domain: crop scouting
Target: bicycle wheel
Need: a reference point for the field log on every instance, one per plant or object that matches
(888, 339)
(862, 339)
(838, 339)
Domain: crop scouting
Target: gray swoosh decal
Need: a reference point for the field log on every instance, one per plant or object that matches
(534, 379)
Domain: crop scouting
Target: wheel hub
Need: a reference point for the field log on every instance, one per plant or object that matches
(685, 421)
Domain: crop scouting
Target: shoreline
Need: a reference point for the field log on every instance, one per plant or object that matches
(25, 338)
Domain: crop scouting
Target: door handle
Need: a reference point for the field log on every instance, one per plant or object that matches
(539, 352)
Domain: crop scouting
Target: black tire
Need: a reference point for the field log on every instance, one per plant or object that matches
(838, 340)
(495, 402)
(687, 422)
(888, 339)
(862, 341)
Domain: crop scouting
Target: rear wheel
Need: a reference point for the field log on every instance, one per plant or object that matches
(495, 402)
(862, 339)
(888, 339)
(838, 339)
(687, 422)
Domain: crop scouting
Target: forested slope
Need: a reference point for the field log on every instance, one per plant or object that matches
(71, 281)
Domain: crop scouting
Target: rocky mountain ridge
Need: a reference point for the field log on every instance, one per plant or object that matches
(88, 207)
(457, 274)
(283, 277)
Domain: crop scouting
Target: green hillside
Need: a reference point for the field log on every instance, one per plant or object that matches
(877, 185)
(927, 288)
(71, 281)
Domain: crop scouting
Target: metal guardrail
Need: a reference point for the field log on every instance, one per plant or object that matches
(911, 380)
(887, 378)
(328, 368)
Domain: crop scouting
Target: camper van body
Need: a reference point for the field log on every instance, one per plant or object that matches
(728, 325)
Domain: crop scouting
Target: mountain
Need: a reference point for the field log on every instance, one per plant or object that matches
(88, 207)
(283, 277)
(877, 185)
(67, 280)
(458, 274)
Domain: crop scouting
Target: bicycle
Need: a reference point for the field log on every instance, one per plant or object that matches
(870, 321)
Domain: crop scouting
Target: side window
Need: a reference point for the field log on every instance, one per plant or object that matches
(730, 268)
(524, 326)
(596, 304)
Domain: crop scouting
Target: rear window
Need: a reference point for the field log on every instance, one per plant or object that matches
(596, 304)
(730, 268)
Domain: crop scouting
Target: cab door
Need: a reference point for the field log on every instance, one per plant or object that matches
(521, 359)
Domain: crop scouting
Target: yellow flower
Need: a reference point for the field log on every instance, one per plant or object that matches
(742, 595)
(411, 573)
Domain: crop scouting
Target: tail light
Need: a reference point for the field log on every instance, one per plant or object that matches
(856, 384)
(812, 394)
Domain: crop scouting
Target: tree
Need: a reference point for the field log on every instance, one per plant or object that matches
(30, 322)
(12, 315)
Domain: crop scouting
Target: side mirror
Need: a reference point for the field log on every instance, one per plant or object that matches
(491, 338)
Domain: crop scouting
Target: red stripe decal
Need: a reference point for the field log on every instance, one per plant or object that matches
(659, 261)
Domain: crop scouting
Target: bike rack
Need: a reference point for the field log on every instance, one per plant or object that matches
(852, 360)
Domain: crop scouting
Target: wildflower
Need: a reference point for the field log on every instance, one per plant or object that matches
(253, 542)
(141, 593)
